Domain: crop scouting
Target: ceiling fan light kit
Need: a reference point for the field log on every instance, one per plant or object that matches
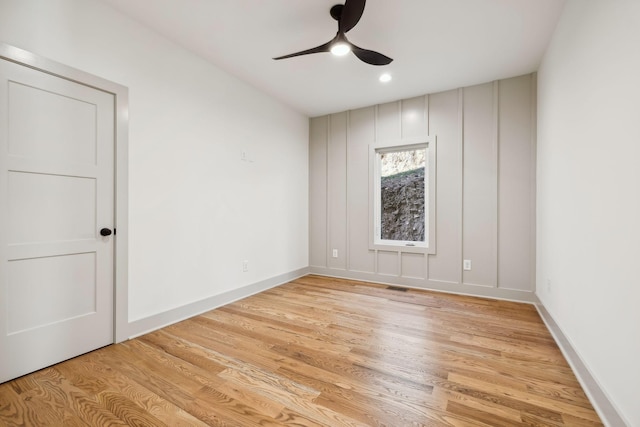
(340, 49)
(347, 16)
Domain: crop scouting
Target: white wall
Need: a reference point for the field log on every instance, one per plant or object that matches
(588, 191)
(196, 209)
(485, 190)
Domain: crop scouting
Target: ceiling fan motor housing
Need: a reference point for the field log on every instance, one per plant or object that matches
(347, 16)
(336, 11)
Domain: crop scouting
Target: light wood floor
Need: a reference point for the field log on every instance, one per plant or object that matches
(319, 352)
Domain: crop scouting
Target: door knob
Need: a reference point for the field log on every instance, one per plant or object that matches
(105, 232)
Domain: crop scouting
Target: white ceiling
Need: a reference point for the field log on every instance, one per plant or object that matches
(436, 44)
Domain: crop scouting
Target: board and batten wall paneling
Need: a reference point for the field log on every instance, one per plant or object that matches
(479, 205)
(361, 133)
(415, 117)
(337, 191)
(318, 137)
(388, 124)
(516, 209)
(388, 127)
(445, 123)
(484, 190)
(415, 123)
(388, 263)
(413, 266)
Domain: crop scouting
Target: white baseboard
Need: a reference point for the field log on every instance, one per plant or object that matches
(157, 321)
(430, 285)
(598, 398)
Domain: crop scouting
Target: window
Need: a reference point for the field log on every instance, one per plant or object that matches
(402, 200)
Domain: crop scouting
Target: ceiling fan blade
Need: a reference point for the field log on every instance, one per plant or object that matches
(351, 14)
(322, 48)
(369, 56)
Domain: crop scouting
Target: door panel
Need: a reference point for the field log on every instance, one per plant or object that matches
(50, 289)
(40, 128)
(70, 204)
(56, 193)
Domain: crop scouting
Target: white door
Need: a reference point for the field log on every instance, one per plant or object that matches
(56, 194)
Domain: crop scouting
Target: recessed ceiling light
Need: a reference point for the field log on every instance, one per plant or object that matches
(340, 49)
(385, 77)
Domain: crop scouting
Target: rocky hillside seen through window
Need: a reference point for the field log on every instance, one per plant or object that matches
(402, 189)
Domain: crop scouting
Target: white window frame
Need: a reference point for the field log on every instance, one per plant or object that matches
(375, 241)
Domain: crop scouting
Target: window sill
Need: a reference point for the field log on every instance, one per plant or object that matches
(404, 247)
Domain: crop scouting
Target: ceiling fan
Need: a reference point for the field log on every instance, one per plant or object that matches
(347, 16)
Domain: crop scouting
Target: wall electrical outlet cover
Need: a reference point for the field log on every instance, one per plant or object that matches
(466, 264)
(335, 253)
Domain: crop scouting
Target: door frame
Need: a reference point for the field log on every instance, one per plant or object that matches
(121, 114)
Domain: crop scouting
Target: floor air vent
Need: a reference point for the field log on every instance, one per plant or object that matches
(397, 288)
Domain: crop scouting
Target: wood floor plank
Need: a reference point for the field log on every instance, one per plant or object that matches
(16, 409)
(557, 405)
(447, 396)
(314, 352)
(490, 419)
(87, 370)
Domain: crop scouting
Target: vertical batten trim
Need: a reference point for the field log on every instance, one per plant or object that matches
(327, 251)
(427, 107)
(371, 225)
(347, 259)
(425, 114)
(432, 239)
(400, 111)
(533, 177)
(496, 92)
(375, 261)
(461, 166)
(399, 106)
(495, 156)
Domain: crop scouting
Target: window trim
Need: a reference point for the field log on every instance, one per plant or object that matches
(375, 243)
